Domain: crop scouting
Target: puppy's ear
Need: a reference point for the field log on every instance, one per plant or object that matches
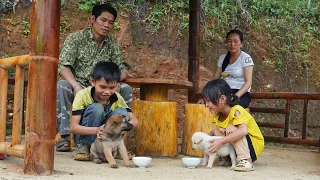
(197, 139)
(115, 119)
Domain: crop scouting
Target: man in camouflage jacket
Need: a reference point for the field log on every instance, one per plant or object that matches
(80, 52)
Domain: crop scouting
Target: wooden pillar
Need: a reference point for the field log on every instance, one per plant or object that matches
(194, 48)
(156, 132)
(198, 118)
(42, 87)
(3, 103)
(152, 92)
(18, 106)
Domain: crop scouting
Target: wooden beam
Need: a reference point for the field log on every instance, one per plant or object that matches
(11, 62)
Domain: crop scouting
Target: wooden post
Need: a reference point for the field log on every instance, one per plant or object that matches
(42, 87)
(198, 118)
(156, 132)
(304, 119)
(18, 106)
(194, 48)
(3, 103)
(287, 119)
(152, 92)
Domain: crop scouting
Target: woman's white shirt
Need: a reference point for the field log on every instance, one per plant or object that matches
(236, 78)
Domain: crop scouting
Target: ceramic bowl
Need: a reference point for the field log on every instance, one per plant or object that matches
(191, 162)
(141, 162)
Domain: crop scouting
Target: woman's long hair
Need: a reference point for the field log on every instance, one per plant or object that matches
(226, 60)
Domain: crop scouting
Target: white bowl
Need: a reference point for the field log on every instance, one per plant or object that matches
(191, 162)
(141, 161)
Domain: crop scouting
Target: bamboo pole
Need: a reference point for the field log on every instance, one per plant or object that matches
(3, 103)
(11, 62)
(42, 87)
(18, 106)
(16, 150)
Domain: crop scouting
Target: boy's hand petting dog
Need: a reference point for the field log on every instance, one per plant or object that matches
(215, 145)
(100, 132)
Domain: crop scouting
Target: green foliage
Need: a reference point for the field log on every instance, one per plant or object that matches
(64, 25)
(116, 26)
(4, 55)
(281, 23)
(14, 22)
(25, 28)
(86, 5)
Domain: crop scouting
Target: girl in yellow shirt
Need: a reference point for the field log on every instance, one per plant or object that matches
(233, 122)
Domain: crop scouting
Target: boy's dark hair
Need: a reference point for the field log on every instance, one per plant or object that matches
(97, 10)
(107, 70)
(226, 60)
(217, 87)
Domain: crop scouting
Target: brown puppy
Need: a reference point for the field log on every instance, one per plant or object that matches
(112, 140)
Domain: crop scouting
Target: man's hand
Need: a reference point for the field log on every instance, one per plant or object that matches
(118, 87)
(76, 89)
(215, 145)
(100, 130)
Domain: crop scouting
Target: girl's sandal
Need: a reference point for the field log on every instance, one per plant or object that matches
(244, 166)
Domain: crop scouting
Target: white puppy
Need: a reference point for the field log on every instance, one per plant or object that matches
(201, 140)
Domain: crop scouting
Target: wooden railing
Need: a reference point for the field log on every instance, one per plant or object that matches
(288, 96)
(15, 148)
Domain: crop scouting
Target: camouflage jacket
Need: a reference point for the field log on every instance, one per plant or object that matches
(80, 53)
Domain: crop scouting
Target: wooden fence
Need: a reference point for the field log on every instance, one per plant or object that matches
(288, 96)
(15, 148)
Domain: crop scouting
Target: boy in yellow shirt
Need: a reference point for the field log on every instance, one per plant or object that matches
(233, 122)
(94, 105)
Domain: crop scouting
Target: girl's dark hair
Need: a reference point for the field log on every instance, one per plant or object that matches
(214, 89)
(107, 70)
(97, 10)
(226, 60)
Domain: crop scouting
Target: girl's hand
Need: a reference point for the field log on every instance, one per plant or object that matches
(223, 130)
(215, 145)
(100, 131)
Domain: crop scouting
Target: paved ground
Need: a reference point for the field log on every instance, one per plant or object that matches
(275, 163)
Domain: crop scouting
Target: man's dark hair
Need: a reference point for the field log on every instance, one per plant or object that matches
(107, 70)
(97, 10)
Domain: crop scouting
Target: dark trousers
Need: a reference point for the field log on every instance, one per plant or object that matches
(245, 99)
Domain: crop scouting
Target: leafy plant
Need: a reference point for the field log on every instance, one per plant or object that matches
(116, 26)
(86, 5)
(25, 28)
(64, 25)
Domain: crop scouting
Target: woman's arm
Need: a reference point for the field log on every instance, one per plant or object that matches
(76, 128)
(217, 74)
(247, 73)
